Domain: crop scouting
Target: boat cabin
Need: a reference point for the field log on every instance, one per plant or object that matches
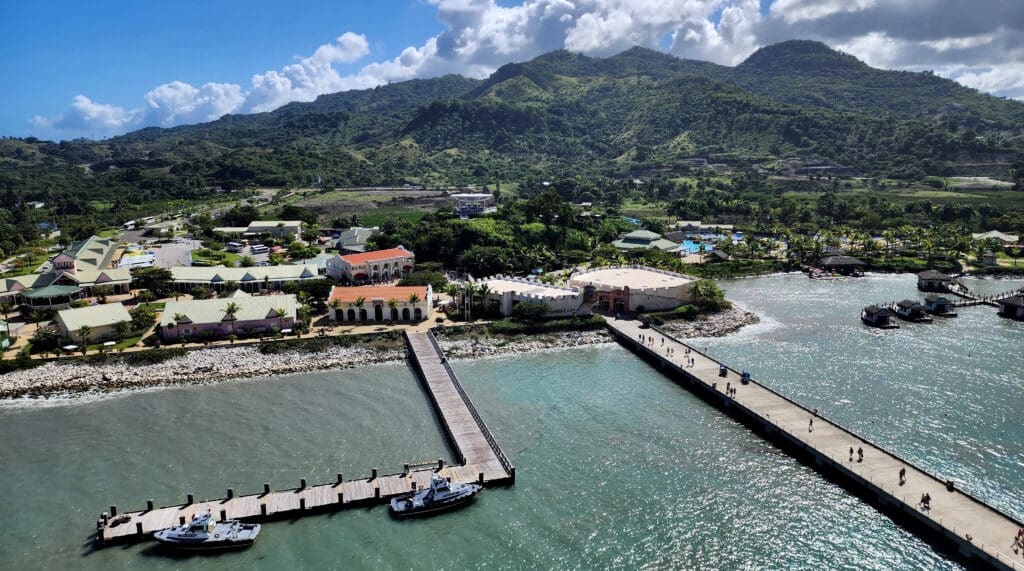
(911, 311)
(879, 316)
(931, 280)
(1012, 307)
(202, 524)
(938, 305)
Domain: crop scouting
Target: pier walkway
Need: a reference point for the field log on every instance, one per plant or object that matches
(970, 298)
(481, 460)
(976, 529)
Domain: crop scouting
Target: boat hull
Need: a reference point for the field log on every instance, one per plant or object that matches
(397, 510)
(206, 546)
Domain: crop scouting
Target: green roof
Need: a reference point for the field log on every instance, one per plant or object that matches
(212, 310)
(93, 316)
(50, 291)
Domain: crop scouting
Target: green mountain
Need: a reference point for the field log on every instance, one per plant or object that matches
(559, 114)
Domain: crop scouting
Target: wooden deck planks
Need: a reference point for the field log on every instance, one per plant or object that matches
(990, 531)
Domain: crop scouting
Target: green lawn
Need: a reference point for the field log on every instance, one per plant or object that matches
(222, 258)
(378, 217)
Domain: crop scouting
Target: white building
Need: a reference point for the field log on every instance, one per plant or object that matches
(507, 292)
(380, 303)
(285, 229)
(378, 265)
(627, 288)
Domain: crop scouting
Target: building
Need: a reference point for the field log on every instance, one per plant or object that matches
(936, 304)
(354, 239)
(1012, 307)
(378, 265)
(931, 280)
(102, 321)
(879, 317)
(366, 304)
(644, 239)
(715, 256)
(473, 204)
(209, 317)
(632, 288)
(912, 310)
(504, 293)
(320, 261)
(989, 258)
(846, 265)
(137, 260)
(283, 229)
(55, 290)
(698, 227)
(93, 253)
(1007, 238)
(167, 228)
(248, 279)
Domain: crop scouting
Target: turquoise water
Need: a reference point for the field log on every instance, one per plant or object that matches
(617, 466)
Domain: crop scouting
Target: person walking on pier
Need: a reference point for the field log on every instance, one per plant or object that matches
(860, 454)
(903, 476)
(810, 425)
(851, 454)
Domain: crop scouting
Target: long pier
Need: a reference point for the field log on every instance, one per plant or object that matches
(481, 460)
(970, 299)
(978, 531)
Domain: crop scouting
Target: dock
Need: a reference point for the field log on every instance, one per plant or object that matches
(977, 531)
(481, 460)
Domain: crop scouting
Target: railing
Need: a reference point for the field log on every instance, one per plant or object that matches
(505, 463)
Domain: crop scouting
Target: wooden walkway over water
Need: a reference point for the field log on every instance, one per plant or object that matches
(974, 528)
(481, 461)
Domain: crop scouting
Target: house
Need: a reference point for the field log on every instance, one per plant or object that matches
(167, 228)
(687, 225)
(1012, 307)
(57, 290)
(638, 239)
(715, 256)
(504, 293)
(248, 279)
(378, 265)
(911, 310)
(320, 261)
(988, 258)
(845, 265)
(931, 280)
(210, 318)
(284, 229)
(102, 321)
(93, 253)
(380, 303)
(354, 239)
(1008, 238)
(879, 317)
(938, 305)
(473, 204)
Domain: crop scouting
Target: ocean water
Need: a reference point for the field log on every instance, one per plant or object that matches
(618, 467)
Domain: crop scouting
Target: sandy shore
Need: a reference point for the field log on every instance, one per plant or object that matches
(204, 366)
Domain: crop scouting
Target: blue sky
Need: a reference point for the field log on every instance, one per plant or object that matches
(104, 68)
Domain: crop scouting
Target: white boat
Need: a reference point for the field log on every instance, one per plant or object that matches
(204, 532)
(440, 496)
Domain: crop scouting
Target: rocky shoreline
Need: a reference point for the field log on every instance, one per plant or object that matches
(714, 325)
(206, 366)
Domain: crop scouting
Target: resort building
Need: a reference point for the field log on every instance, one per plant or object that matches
(1012, 307)
(879, 317)
(936, 304)
(354, 239)
(628, 288)
(697, 227)
(378, 265)
(715, 256)
(210, 317)
(931, 280)
(93, 253)
(846, 265)
(504, 293)
(102, 321)
(57, 290)
(989, 258)
(248, 279)
(166, 228)
(1008, 238)
(473, 204)
(644, 239)
(284, 229)
(319, 260)
(366, 304)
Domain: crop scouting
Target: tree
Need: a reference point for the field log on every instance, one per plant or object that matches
(529, 311)
(708, 296)
(393, 305)
(157, 280)
(101, 292)
(178, 318)
(146, 296)
(85, 335)
(414, 298)
(335, 304)
(280, 313)
(122, 328)
(6, 308)
(229, 313)
(247, 262)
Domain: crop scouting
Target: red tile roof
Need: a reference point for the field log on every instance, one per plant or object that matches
(401, 293)
(377, 256)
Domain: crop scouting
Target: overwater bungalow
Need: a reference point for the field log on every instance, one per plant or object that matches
(1012, 307)
(910, 310)
(882, 317)
(938, 305)
(931, 280)
(843, 265)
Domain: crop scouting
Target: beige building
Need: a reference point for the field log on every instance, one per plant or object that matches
(209, 317)
(627, 288)
(287, 229)
(381, 303)
(101, 319)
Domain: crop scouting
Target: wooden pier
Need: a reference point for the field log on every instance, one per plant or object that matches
(481, 461)
(975, 529)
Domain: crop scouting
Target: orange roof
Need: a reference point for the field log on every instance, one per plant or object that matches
(401, 293)
(377, 255)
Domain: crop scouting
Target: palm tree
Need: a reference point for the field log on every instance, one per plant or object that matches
(359, 302)
(231, 309)
(393, 305)
(178, 318)
(6, 308)
(414, 298)
(280, 313)
(335, 304)
(84, 333)
(146, 296)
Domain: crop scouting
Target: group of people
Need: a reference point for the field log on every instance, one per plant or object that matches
(860, 454)
(1018, 542)
(730, 391)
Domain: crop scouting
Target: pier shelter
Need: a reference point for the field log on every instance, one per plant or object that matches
(911, 311)
(879, 316)
(938, 305)
(931, 280)
(1012, 307)
(845, 265)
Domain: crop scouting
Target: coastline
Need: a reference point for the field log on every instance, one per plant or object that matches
(213, 365)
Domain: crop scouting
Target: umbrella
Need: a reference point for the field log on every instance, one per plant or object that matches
(69, 347)
(109, 344)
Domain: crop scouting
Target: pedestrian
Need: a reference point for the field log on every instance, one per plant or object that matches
(810, 425)
(851, 454)
(662, 341)
(903, 475)
(860, 454)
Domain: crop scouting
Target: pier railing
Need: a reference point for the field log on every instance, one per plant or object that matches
(959, 489)
(498, 452)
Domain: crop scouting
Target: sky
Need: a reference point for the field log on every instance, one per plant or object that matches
(96, 69)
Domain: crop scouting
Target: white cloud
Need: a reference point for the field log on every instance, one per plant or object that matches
(980, 44)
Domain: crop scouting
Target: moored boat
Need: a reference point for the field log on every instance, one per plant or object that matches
(440, 496)
(203, 533)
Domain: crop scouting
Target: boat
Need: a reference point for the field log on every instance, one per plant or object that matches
(881, 317)
(440, 496)
(205, 533)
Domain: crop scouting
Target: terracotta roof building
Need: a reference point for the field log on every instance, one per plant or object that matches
(378, 265)
(380, 303)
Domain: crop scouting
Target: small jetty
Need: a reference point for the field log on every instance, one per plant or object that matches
(952, 517)
(482, 461)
